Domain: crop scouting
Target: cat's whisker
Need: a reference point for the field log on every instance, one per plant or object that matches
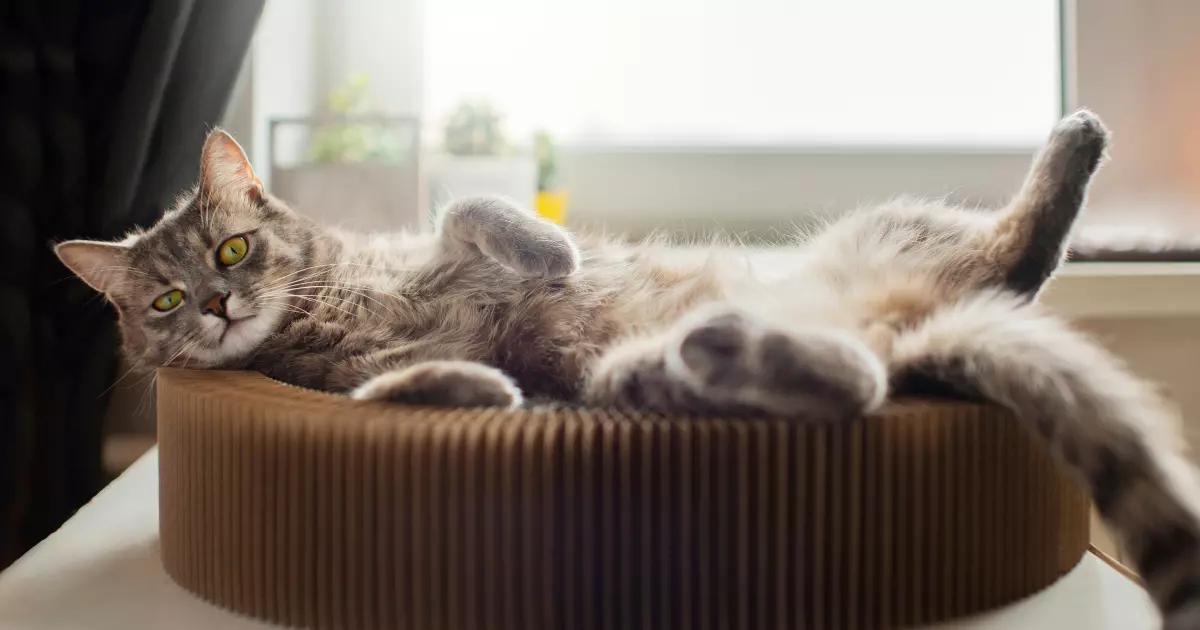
(190, 340)
(131, 370)
(342, 300)
(322, 302)
(189, 356)
(331, 283)
(320, 276)
(328, 267)
(146, 394)
(287, 308)
(317, 284)
(361, 290)
(335, 266)
(280, 304)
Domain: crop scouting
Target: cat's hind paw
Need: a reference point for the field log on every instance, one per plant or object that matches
(443, 384)
(731, 357)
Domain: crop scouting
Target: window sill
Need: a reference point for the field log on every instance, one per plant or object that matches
(1125, 290)
(1084, 290)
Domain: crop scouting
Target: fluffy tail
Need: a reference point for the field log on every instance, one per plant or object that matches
(1030, 237)
(1107, 426)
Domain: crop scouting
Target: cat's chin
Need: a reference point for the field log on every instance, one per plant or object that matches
(236, 340)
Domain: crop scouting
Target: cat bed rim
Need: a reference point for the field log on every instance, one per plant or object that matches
(229, 441)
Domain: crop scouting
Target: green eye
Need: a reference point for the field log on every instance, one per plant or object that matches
(233, 250)
(168, 300)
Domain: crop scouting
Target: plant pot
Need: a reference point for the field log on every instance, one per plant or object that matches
(512, 177)
(552, 205)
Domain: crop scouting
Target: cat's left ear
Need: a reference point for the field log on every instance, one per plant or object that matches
(225, 170)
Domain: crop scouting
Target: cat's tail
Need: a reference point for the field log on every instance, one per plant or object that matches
(1107, 426)
(1029, 239)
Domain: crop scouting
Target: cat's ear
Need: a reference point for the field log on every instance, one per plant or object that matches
(225, 170)
(99, 264)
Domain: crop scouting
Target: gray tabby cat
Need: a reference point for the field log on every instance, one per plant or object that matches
(499, 304)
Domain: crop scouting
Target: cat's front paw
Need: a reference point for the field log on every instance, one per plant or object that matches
(529, 245)
(537, 249)
(443, 384)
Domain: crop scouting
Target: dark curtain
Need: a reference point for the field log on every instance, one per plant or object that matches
(103, 108)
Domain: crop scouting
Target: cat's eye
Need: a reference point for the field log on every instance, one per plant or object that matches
(168, 300)
(233, 250)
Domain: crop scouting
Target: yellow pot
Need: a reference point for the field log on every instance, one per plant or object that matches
(552, 204)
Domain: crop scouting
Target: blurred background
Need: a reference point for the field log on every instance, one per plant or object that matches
(667, 114)
(749, 117)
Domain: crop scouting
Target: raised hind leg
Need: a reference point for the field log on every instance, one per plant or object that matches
(1029, 240)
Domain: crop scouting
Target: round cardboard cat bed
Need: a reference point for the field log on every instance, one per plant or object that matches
(313, 510)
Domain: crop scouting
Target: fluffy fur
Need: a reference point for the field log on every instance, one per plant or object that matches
(498, 305)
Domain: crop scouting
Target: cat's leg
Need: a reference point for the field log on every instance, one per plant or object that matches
(1029, 240)
(442, 384)
(724, 361)
(1101, 422)
(527, 244)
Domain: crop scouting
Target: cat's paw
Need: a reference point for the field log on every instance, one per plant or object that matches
(535, 249)
(633, 376)
(529, 245)
(443, 384)
(732, 359)
(1082, 124)
(1083, 136)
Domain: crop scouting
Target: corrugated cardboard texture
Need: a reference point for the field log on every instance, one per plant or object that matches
(317, 511)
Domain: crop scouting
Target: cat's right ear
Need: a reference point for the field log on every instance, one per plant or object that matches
(225, 170)
(97, 263)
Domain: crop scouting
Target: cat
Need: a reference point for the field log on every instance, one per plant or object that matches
(497, 305)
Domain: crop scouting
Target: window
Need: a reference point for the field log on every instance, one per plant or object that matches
(697, 114)
(687, 73)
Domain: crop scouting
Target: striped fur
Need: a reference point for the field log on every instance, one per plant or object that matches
(499, 305)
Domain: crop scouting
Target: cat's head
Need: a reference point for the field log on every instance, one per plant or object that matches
(203, 286)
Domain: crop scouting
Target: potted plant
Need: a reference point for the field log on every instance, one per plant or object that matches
(477, 159)
(551, 198)
(355, 168)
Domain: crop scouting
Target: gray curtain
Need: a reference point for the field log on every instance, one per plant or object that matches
(103, 108)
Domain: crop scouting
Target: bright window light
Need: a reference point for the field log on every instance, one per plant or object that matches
(753, 72)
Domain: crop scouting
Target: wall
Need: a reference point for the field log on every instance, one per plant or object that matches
(1134, 65)
(382, 38)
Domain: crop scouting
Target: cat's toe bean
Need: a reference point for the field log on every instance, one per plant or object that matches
(1084, 135)
(539, 249)
(732, 360)
(443, 384)
(825, 372)
(1083, 123)
(552, 259)
(714, 352)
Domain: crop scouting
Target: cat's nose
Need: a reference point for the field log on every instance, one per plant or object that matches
(216, 304)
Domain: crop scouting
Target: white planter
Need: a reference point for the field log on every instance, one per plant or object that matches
(449, 178)
(360, 197)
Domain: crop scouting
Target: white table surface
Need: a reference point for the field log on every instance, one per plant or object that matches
(101, 571)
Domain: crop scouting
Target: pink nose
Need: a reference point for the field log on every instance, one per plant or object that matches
(216, 305)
